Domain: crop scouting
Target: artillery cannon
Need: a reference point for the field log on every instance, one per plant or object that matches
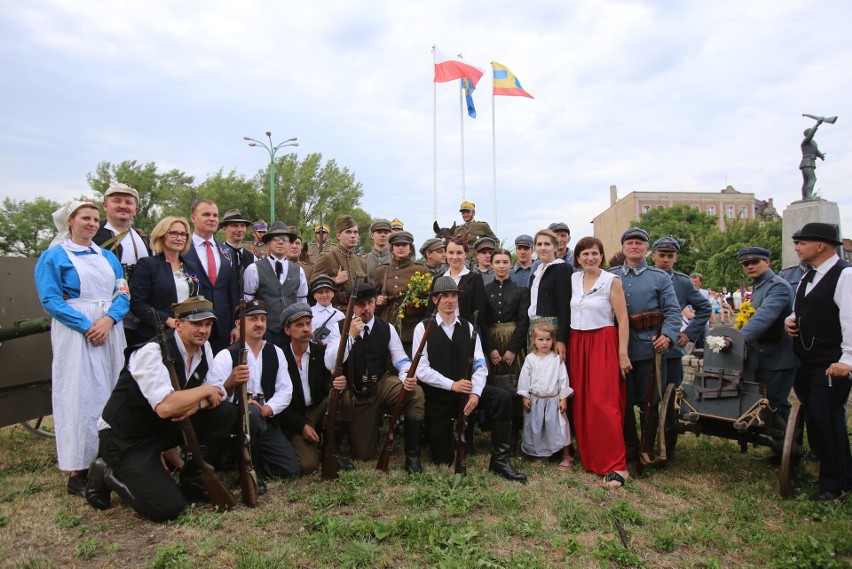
(725, 401)
(25, 354)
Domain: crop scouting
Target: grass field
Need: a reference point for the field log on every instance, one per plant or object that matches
(711, 507)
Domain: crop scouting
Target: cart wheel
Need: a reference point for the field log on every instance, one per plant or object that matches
(34, 426)
(669, 425)
(793, 451)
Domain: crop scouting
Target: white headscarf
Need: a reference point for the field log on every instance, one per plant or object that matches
(60, 220)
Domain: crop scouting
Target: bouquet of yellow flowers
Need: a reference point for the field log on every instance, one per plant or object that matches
(416, 296)
(743, 315)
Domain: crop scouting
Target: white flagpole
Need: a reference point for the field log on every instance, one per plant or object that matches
(434, 142)
(461, 128)
(494, 148)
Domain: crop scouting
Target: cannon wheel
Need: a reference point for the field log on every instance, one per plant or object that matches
(792, 451)
(669, 421)
(34, 426)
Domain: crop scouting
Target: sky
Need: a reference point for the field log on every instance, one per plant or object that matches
(646, 95)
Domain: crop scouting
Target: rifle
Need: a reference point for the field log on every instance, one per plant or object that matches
(330, 465)
(220, 497)
(647, 456)
(248, 476)
(461, 420)
(384, 458)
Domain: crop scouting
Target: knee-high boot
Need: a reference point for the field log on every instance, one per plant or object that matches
(501, 435)
(413, 436)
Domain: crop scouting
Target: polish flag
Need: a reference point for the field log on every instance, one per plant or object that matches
(450, 68)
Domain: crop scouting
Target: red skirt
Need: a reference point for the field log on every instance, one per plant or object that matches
(599, 398)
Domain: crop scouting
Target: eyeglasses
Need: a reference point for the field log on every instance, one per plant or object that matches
(280, 238)
(178, 235)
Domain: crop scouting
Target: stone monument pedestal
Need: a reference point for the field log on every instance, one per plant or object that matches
(798, 214)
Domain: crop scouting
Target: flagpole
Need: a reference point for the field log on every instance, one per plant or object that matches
(494, 150)
(434, 145)
(461, 127)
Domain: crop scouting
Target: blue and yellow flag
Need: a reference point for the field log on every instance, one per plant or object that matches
(468, 94)
(505, 82)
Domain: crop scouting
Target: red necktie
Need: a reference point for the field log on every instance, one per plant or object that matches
(211, 263)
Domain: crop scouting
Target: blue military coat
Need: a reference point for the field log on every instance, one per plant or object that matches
(647, 288)
(773, 301)
(688, 295)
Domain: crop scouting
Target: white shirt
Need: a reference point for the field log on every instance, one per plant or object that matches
(304, 364)
(321, 314)
(223, 364)
(146, 367)
(591, 310)
(251, 280)
(398, 356)
(843, 300)
(132, 246)
(201, 249)
(429, 376)
(544, 376)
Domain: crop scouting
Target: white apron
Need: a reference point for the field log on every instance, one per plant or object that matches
(83, 374)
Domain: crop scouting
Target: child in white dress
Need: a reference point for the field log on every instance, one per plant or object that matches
(543, 384)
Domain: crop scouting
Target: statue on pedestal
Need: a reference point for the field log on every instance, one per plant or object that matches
(810, 152)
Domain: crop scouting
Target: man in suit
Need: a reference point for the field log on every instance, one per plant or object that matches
(301, 420)
(216, 276)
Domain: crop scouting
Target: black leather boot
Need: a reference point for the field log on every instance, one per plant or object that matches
(117, 486)
(97, 491)
(413, 436)
(501, 434)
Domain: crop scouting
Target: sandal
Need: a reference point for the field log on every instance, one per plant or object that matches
(566, 464)
(537, 462)
(612, 477)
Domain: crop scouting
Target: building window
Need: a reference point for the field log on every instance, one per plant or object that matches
(696, 206)
(743, 210)
(729, 212)
(711, 210)
(646, 208)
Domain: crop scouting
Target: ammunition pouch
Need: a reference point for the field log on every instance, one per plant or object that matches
(365, 385)
(646, 320)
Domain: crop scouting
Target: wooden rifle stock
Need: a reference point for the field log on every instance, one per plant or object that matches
(647, 456)
(220, 496)
(461, 420)
(384, 457)
(330, 465)
(248, 476)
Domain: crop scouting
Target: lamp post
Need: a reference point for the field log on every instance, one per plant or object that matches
(272, 149)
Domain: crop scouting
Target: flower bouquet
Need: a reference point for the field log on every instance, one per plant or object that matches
(416, 297)
(744, 313)
(715, 343)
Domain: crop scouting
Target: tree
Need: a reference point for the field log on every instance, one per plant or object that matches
(686, 224)
(719, 263)
(26, 227)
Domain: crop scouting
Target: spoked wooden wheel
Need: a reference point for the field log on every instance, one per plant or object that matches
(792, 452)
(35, 427)
(669, 428)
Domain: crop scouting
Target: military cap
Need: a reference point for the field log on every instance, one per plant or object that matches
(321, 228)
(193, 309)
(444, 284)
(260, 225)
(122, 189)
(294, 229)
(294, 312)
(635, 233)
(380, 223)
(751, 253)
(276, 229)
(233, 216)
(524, 240)
(401, 237)
(484, 243)
(668, 244)
(431, 245)
(396, 225)
(825, 232)
(252, 307)
(365, 292)
(321, 282)
(559, 226)
(343, 223)
(467, 206)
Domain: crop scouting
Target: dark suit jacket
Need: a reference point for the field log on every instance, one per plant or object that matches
(293, 417)
(554, 297)
(225, 296)
(153, 286)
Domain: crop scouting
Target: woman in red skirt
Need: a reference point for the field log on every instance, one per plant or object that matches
(598, 363)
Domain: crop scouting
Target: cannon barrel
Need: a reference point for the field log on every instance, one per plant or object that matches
(23, 328)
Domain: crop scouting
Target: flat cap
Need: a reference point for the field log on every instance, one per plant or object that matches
(122, 189)
(751, 253)
(233, 216)
(825, 232)
(343, 223)
(635, 233)
(401, 237)
(669, 244)
(276, 229)
(323, 281)
(444, 284)
(524, 240)
(252, 307)
(467, 206)
(559, 226)
(380, 223)
(431, 245)
(193, 309)
(294, 312)
(484, 243)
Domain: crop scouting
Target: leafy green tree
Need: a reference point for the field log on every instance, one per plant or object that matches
(719, 263)
(686, 224)
(26, 227)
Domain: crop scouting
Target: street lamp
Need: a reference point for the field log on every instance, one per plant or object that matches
(272, 150)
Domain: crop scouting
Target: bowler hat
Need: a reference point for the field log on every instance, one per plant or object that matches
(825, 232)
(365, 292)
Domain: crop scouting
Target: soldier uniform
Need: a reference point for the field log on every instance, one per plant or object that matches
(472, 230)
(339, 257)
(485, 245)
(687, 295)
(392, 281)
(645, 289)
(321, 245)
(258, 247)
(377, 257)
(396, 225)
(432, 245)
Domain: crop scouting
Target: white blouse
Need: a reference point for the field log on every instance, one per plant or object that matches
(592, 310)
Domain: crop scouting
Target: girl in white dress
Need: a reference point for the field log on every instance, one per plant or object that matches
(543, 384)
